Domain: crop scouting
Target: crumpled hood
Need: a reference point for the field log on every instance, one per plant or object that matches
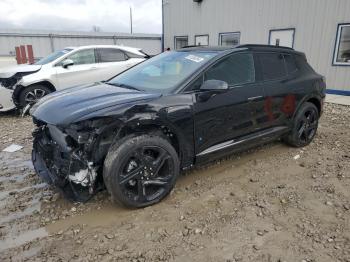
(11, 71)
(65, 107)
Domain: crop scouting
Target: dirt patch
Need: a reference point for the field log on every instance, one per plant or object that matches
(273, 203)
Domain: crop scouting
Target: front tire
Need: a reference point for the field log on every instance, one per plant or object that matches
(140, 171)
(31, 94)
(304, 127)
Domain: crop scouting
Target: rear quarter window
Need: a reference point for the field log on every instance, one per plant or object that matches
(272, 66)
(303, 64)
(107, 55)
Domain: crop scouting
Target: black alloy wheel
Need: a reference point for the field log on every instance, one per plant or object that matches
(140, 171)
(305, 126)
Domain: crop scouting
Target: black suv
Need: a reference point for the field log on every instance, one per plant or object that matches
(134, 133)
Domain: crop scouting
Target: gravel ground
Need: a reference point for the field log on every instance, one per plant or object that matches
(273, 203)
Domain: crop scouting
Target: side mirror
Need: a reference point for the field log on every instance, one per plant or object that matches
(66, 63)
(214, 85)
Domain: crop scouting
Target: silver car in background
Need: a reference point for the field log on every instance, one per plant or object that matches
(25, 84)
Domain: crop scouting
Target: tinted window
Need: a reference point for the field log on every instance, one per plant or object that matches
(196, 85)
(290, 64)
(83, 57)
(272, 66)
(236, 69)
(302, 63)
(110, 55)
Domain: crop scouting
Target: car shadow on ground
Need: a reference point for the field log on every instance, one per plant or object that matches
(14, 113)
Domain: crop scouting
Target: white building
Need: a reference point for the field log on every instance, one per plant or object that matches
(320, 28)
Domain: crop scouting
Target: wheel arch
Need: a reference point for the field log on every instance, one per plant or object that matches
(317, 103)
(312, 98)
(166, 130)
(19, 89)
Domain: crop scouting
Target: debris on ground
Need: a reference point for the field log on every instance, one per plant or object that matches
(12, 148)
(259, 205)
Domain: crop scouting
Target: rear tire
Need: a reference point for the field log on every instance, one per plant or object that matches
(32, 94)
(304, 127)
(140, 171)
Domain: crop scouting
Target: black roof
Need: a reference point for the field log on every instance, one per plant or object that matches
(205, 48)
(247, 46)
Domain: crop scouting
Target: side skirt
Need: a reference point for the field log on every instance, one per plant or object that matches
(242, 143)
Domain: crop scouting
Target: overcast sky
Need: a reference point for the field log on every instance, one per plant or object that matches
(82, 15)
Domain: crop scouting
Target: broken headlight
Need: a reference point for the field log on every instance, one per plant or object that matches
(8, 82)
(11, 82)
(83, 131)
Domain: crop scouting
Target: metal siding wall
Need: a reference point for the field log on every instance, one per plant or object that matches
(41, 45)
(40, 40)
(315, 23)
(61, 42)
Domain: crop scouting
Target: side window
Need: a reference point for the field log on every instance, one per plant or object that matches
(83, 57)
(272, 66)
(236, 69)
(302, 64)
(290, 64)
(196, 84)
(110, 55)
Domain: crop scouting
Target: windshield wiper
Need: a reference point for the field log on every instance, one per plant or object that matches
(123, 85)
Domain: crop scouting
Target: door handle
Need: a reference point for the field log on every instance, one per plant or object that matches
(255, 98)
(93, 68)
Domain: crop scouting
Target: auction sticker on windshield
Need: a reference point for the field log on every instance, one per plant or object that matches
(194, 58)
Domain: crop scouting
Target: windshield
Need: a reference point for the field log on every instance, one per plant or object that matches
(162, 73)
(53, 56)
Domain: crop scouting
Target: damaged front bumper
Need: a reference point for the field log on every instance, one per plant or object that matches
(6, 102)
(61, 162)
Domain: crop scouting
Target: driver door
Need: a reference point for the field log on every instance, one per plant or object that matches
(83, 71)
(223, 115)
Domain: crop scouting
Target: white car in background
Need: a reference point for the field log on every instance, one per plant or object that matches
(25, 84)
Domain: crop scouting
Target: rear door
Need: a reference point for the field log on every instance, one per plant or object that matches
(83, 71)
(112, 61)
(280, 100)
(225, 115)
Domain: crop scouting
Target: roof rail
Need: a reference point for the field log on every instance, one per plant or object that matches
(270, 46)
(190, 46)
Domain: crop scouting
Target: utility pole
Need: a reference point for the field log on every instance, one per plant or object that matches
(130, 20)
(162, 25)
